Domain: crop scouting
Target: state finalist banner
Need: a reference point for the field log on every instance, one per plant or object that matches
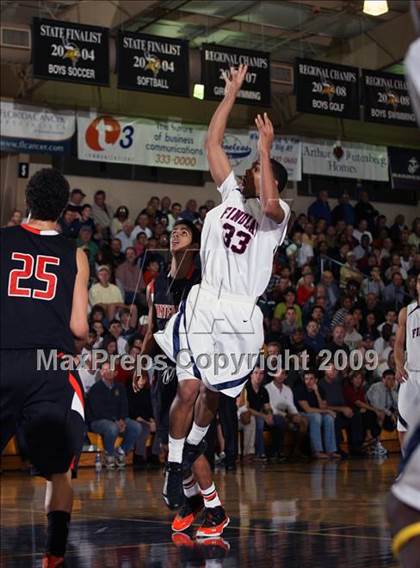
(65, 51)
(351, 160)
(386, 99)
(256, 89)
(31, 129)
(323, 88)
(170, 144)
(151, 63)
(405, 168)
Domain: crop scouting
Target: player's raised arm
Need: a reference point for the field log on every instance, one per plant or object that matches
(218, 161)
(269, 193)
(78, 320)
(401, 374)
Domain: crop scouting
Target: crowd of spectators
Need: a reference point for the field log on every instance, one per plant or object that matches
(337, 284)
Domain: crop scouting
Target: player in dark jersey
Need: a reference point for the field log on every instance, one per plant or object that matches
(44, 298)
(165, 294)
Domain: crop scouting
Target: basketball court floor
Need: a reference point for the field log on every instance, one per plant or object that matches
(328, 515)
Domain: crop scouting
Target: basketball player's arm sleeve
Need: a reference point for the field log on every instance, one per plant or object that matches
(78, 319)
(229, 184)
(216, 156)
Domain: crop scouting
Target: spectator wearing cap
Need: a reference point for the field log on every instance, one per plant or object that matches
(344, 211)
(75, 202)
(125, 236)
(349, 271)
(120, 217)
(142, 226)
(129, 276)
(190, 211)
(86, 243)
(106, 294)
(102, 213)
(320, 208)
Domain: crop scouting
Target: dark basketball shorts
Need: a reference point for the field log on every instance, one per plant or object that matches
(163, 393)
(47, 406)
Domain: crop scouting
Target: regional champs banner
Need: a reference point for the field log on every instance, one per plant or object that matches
(173, 144)
(349, 160)
(31, 129)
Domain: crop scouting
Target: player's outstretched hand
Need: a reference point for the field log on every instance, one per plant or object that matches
(265, 131)
(234, 79)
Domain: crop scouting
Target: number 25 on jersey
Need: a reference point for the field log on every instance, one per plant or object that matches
(33, 266)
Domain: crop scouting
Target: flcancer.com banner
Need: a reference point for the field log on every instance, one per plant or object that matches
(172, 144)
(31, 129)
(349, 160)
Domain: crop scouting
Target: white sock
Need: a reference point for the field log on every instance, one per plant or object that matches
(210, 496)
(196, 434)
(176, 447)
(191, 487)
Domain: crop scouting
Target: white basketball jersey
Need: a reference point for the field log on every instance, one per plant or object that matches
(412, 337)
(238, 243)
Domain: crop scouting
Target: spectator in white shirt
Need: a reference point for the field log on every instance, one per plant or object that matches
(352, 338)
(283, 406)
(106, 294)
(362, 229)
(391, 318)
(142, 226)
(173, 215)
(115, 329)
(125, 236)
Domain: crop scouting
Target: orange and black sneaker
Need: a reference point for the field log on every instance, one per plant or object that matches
(186, 516)
(215, 520)
(50, 561)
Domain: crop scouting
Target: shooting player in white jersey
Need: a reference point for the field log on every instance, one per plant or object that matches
(408, 370)
(220, 320)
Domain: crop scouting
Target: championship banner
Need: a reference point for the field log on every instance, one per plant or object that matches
(154, 64)
(349, 160)
(256, 89)
(66, 51)
(166, 144)
(405, 168)
(323, 88)
(386, 99)
(31, 129)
